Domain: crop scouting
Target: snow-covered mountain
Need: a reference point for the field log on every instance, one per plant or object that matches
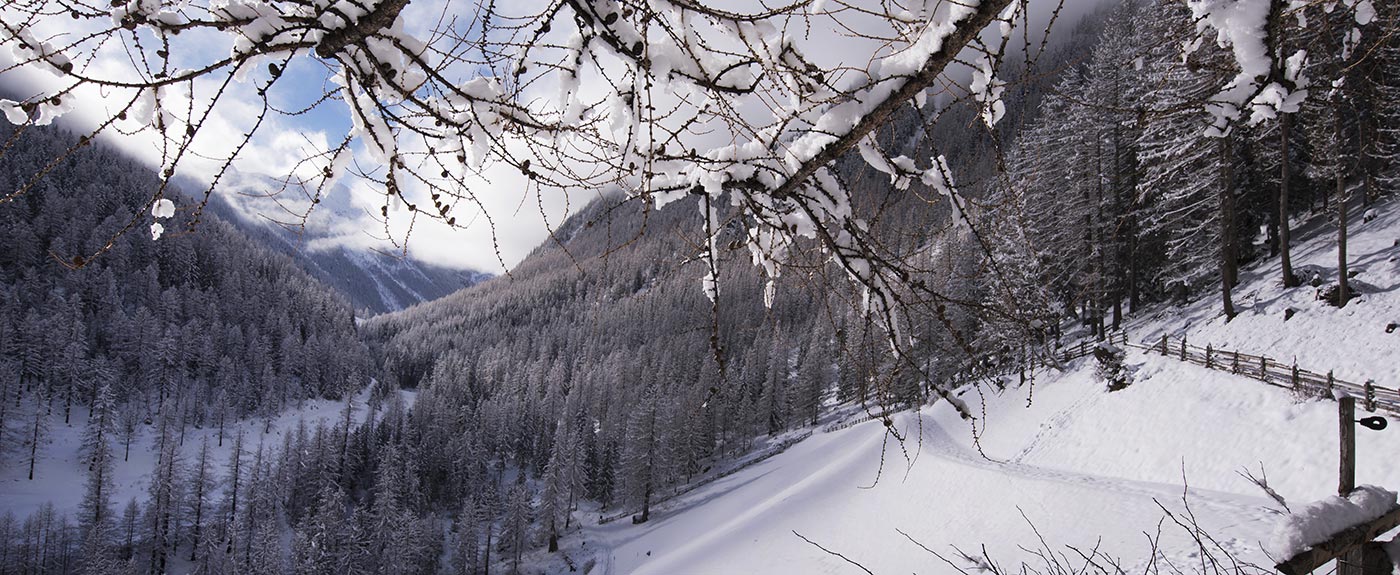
(376, 281)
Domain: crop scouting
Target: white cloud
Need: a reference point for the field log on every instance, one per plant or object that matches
(277, 149)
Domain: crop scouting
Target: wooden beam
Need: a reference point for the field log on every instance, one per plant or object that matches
(1318, 555)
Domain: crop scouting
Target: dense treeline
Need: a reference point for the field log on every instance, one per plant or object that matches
(340, 498)
(209, 325)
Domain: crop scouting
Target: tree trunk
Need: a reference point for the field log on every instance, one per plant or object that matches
(1133, 295)
(1289, 280)
(569, 510)
(1228, 257)
(198, 505)
(553, 537)
(34, 444)
(1343, 291)
(486, 562)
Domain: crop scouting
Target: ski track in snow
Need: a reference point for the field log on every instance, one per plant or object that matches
(700, 534)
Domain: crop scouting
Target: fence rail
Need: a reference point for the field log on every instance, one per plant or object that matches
(1371, 397)
(857, 420)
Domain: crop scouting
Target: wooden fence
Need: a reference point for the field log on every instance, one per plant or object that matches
(1371, 397)
(864, 417)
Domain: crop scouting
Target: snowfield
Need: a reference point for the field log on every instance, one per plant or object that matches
(1086, 468)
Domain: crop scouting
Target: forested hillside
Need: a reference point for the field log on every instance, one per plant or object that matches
(595, 356)
(198, 328)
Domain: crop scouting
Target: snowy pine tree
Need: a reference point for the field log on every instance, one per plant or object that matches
(97, 521)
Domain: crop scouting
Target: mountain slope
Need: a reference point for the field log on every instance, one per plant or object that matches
(1085, 466)
(208, 325)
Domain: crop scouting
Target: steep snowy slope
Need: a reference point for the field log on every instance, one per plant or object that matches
(1087, 468)
(1352, 340)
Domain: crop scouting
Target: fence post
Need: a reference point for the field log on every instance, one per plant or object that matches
(1263, 368)
(1235, 362)
(1346, 476)
(1330, 382)
(1164, 345)
(1183, 349)
(1209, 350)
(1295, 375)
(1370, 395)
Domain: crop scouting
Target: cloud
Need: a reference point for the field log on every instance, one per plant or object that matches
(282, 141)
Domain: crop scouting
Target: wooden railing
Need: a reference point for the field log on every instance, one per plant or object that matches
(864, 417)
(1370, 396)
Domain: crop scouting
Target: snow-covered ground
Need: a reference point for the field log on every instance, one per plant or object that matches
(1082, 464)
(1079, 465)
(1351, 340)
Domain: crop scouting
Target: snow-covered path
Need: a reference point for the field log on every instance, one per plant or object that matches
(825, 489)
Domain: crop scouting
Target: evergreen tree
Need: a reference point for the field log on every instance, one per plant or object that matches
(516, 523)
(200, 484)
(647, 457)
(97, 521)
(130, 526)
(554, 503)
(396, 538)
(36, 429)
(163, 497)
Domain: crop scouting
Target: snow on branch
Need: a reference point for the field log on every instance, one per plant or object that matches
(1267, 83)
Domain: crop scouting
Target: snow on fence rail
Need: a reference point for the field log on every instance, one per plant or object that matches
(1267, 370)
(839, 425)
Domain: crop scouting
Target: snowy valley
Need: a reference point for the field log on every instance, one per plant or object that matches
(836, 286)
